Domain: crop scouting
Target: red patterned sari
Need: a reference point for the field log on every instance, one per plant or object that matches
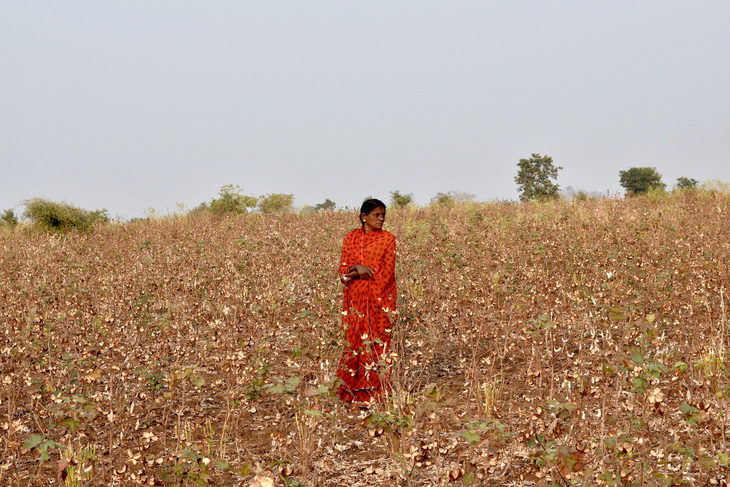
(364, 368)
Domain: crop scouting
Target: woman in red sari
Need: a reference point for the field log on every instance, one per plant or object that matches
(367, 269)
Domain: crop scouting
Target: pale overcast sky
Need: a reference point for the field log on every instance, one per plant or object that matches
(127, 105)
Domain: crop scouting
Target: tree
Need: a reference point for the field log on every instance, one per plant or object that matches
(687, 183)
(400, 200)
(327, 205)
(231, 201)
(276, 203)
(448, 199)
(9, 218)
(443, 199)
(535, 176)
(50, 216)
(638, 180)
(570, 193)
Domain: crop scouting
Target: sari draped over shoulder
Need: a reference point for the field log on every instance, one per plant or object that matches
(364, 368)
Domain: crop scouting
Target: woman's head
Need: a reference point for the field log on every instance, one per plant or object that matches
(372, 214)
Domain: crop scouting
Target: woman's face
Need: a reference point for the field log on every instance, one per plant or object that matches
(374, 220)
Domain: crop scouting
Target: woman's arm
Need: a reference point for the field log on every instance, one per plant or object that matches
(347, 269)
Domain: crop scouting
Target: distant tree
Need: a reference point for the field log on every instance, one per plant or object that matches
(400, 200)
(570, 193)
(452, 197)
(534, 178)
(443, 199)
(461, 196)
(230, 201)
(276, 203)
(8, 217)
(100, 215)
(687, 183)
(327, 205)
(639, 180)
(51, 216)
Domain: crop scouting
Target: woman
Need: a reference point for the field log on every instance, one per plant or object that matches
(367, 269)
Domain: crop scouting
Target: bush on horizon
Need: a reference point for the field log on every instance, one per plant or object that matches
(8, 218)
(230, 201)
(51, 216)
(276, 203)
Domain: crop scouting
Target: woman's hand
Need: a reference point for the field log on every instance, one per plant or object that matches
(362, 272)
(349, 276)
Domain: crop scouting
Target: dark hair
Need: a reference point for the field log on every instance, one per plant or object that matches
(368, 206)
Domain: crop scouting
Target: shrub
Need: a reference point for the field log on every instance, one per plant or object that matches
(399, 200)
(230, 201)
(327, 205)
(452, 197)
(684, 183)
(50, 216)
(442, 199)
(638, 180)
(8, 217)
(276, 203)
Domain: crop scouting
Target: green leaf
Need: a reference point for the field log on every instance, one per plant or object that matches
(32, 442)
(687, 409)
(89, 410)
(470, 437)
(245, 470)
(655, 370)
(723, 459)
(291, 383)
(608, 369)
(636, 356)
(707, 462)
(70, 423)
(313, 412)
(640, 384)
(691, 414)
(660, 478)
(275, 388)
(468, 478)
(222, 465)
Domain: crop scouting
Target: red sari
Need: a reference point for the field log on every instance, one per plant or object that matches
(364, 368)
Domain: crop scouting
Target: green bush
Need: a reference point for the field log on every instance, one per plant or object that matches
(685, 183)
(230, 201)
(276, 203)
(8, 217)
(442, 199)
(399, 200)
(327, 205)
(50, 216)
(639, 180)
